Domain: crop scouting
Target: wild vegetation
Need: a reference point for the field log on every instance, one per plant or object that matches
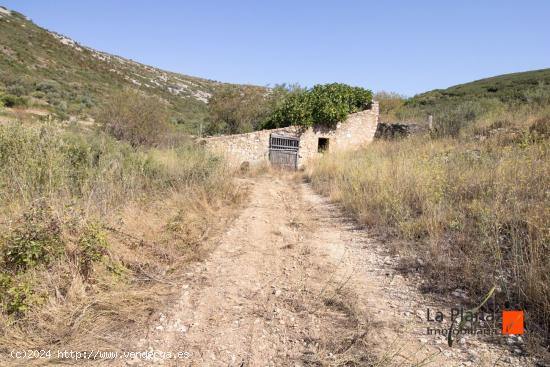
(136, 118)
(235, 111)
(469, 200)
(48, 71)
(323, 105)
(92, 229)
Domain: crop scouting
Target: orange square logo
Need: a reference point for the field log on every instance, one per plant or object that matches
(512, 322)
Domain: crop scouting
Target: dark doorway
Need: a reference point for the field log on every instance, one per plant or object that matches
(322, 145)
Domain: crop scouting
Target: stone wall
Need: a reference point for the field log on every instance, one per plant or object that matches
(355, 131)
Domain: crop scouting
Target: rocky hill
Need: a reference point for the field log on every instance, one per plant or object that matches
(43, 69)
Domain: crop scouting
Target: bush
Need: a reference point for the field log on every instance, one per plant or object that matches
(10, 100)
(235, 109)
(135, 118)
(540, 129)
(48, 86)
(17, 90)
(36, 240)
(92, 246)
(296, 109)
(17, 295)
(323, 105)
(390, 104)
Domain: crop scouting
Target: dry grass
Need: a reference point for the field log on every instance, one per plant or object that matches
(94, 234)
(474, 210)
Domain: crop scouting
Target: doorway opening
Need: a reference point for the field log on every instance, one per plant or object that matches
(322, 145)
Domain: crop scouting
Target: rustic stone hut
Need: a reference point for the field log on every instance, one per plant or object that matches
(292, 146)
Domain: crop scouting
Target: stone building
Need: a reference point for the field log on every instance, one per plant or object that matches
(292, 146)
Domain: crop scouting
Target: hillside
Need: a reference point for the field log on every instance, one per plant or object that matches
(524, 87)
(458, 107)
(40, 68)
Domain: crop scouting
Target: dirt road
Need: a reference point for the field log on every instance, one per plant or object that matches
(295, 283)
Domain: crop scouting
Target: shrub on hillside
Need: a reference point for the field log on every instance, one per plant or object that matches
(36, 240)
(11, 101)
(135, 118)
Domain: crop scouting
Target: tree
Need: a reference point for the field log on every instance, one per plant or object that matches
(235, 109)
(322, 105)
(135, 117)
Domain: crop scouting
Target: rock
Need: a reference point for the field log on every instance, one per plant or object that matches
(245, 167)
(390, 131)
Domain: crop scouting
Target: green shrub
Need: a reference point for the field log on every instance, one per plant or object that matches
(92, 247)
(17, 90)
(296, 109)
(48, 86)
(323, 105)
(17, 295)
(36, 240)
(10, 100)
(331, 103)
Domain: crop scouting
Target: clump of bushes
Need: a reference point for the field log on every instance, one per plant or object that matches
(36, 241)
(92, 246)
(540, 129)
(236, 110)
(323, 105)
(9, 100)
(135, 118)
(17, 295)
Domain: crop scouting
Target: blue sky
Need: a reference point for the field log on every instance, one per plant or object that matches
(402, 46)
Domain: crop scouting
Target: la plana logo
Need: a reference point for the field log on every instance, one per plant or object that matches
(512, 322)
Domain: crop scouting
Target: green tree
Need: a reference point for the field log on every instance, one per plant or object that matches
(322, 105)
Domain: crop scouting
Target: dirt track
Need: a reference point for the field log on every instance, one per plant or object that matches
(293, 283)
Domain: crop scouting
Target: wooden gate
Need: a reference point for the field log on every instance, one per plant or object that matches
(283, 151)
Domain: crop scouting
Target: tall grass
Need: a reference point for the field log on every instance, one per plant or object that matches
(476, 214)
(92, 228)
(94, 168)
